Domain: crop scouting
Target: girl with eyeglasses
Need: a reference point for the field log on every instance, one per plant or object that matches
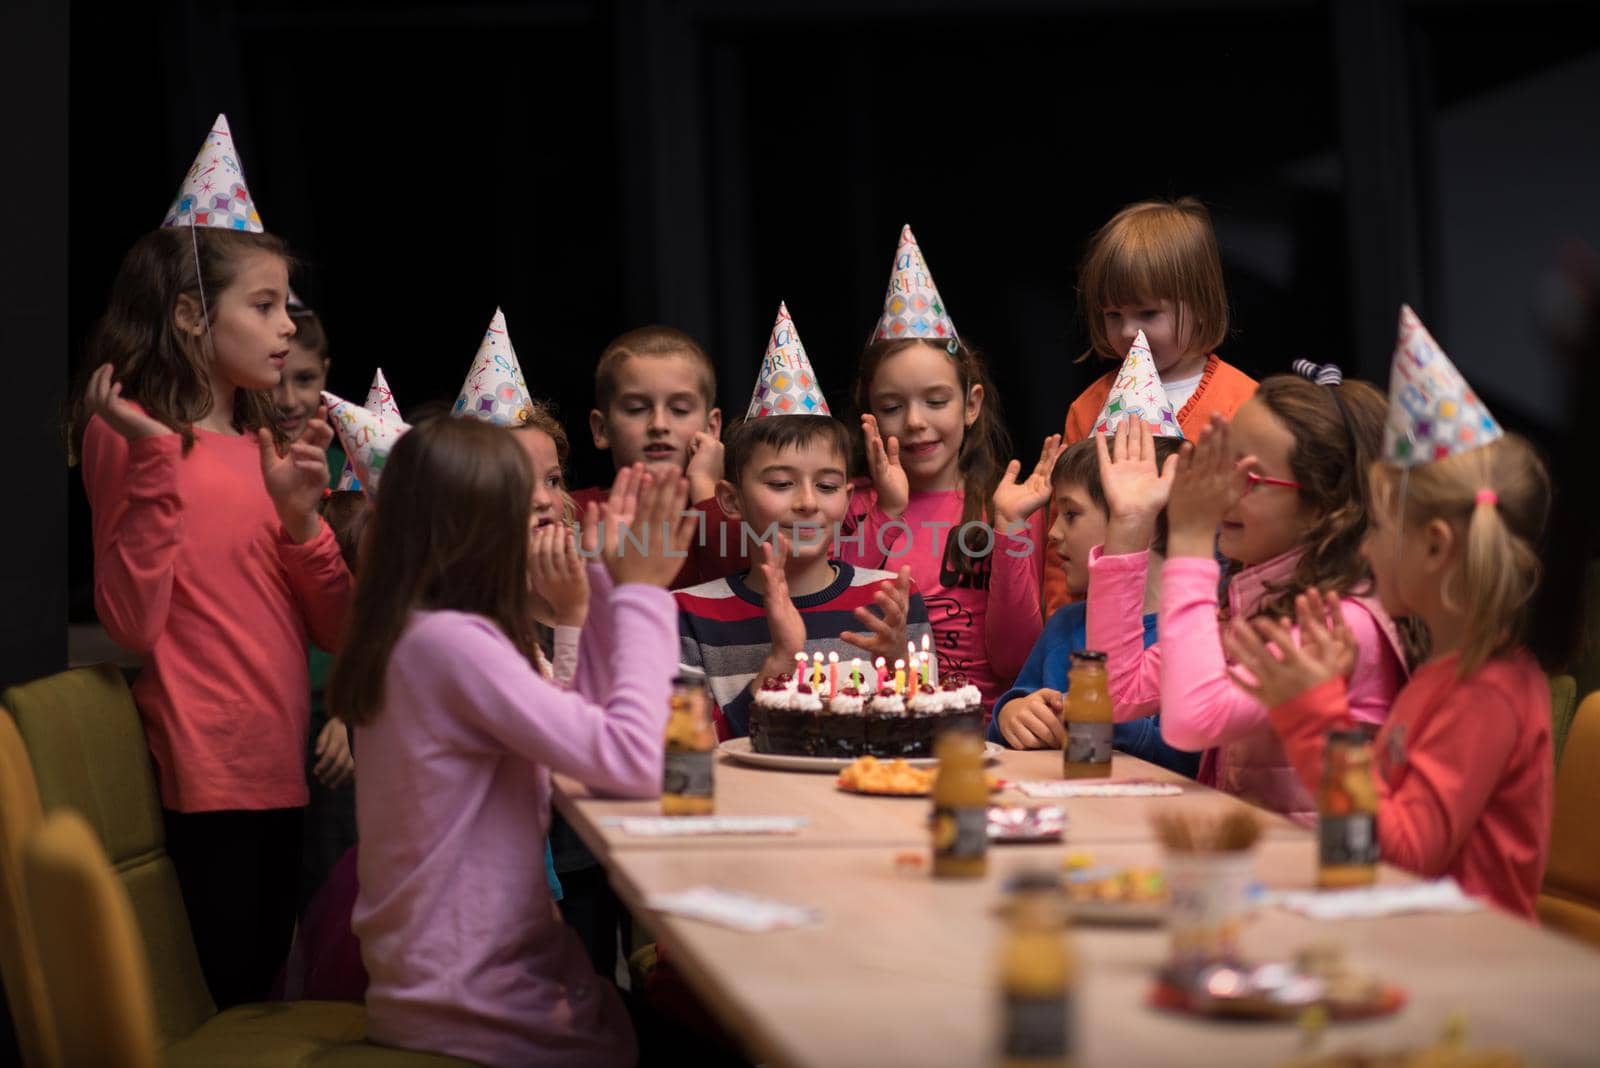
(1281, 492)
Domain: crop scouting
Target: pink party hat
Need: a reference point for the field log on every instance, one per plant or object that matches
(495, 390)
(367, 438)
(912, 307)
(214, 193)
(1137, 392)
(380, 401)
(786, 384)
(1433, 413)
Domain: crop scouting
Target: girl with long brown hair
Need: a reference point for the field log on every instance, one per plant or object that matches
(459, 731)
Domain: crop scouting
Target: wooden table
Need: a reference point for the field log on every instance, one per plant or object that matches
(901, 969)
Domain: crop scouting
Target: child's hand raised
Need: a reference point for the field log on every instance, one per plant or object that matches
(883, 464)
(1135, 488)
(296, 479)
(335, 765)
(1282, 668)
(784, 621)
(104, 396)
(658, 530)
(1015, 499)
(886, 630)
(705, 466)
(1207, 485)
(557, 575)
(1034, 721)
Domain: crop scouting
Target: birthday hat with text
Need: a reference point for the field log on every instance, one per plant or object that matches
(1433, 413)
(214, 193)
(495, 390)
(380, 401)
(1137, 392)
(367, 438)
(912, 307)
(786, 384)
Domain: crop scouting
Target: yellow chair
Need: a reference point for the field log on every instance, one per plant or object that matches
(20, 817)
(87, 750)
(1570, 897)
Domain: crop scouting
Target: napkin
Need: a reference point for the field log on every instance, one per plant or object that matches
(1444, 895)
(681, 826)
(1110, 788)
(730, 908)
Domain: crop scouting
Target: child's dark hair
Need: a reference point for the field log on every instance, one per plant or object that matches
(1337, 431)
(448, 532)
(780, 432)
(157, 363)
(308, 331)
(653, 340)
(1079, 465)
(985, 447)
(1155, 250)
(542, 417)
(346, 513)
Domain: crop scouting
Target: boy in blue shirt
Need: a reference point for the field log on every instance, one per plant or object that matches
(1028, 716)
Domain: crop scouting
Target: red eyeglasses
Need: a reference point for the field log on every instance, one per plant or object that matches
(1252, 479)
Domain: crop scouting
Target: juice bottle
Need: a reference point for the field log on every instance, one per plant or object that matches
(1037, 972)
(1347, 811)
(1086, 715)
(687, 782)
(960, 807)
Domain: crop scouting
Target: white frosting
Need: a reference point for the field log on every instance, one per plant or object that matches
(846, 705)
(968, 696)
(807, 702)
(891, 705)
(926, 703)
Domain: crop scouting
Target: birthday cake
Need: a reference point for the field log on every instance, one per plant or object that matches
(857, 712)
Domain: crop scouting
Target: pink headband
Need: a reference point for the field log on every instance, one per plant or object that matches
(1487, 496)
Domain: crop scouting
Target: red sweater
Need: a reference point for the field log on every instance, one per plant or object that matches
(193, 570)
(1465, 772)
(713, 548)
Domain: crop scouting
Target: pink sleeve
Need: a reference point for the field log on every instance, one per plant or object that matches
(1201, 707)
(595, 641)
(1115, 626)
(613, 744)
(875, 540)
(1012, 622)
(138, 528)
(1453, 765)
(321, 584)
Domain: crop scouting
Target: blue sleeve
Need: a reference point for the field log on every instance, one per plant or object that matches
(550, 872)
(1064, 628)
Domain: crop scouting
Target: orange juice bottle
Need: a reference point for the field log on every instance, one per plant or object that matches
(1037, 972)
(1086, 715)
(960, 807)
(687, 784)
(1347, 812)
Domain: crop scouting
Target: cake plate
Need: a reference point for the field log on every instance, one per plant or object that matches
(738, 749)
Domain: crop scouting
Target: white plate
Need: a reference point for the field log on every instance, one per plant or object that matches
(738, 749)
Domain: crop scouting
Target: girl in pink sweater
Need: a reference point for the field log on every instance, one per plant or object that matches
(1281, 492)
(458, 733)
(940, 498)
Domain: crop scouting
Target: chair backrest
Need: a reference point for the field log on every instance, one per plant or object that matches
(1571, 898)
(1563, 706)
(94, 965)
(88, 751)
(20, 817)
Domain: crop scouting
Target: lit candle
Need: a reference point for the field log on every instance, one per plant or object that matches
(799, 670)
(816, 672)
(911, 674)
(883, 673)
(931, 662)
(833, 674)
(900, 676)
(855, 673)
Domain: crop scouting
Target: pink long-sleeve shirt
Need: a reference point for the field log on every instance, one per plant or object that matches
(1465, 775)
(984, 625)
(193, 570)
(466, 952)
(1184, 675)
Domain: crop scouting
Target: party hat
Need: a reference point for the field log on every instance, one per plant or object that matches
(367, 438)
(912, 307)
(786, 384)
(495, 390)
(380, 401)
(1137, 392)
(1433, 413)
(213, 193)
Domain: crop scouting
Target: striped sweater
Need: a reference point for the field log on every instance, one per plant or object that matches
(722, 631)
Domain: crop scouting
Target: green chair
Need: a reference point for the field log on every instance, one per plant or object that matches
(1563, 706)
(87, 747)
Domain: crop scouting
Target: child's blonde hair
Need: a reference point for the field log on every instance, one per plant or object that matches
(1155, 250)
(653, 340)
(1498, 497)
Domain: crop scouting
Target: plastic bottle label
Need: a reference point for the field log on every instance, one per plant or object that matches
(1037, 1028)
(960, 833)
(1348, 841)
(688, 773)
(1088, 743)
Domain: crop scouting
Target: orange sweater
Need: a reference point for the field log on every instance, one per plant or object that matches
(1223, 388)
(1464, 768)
